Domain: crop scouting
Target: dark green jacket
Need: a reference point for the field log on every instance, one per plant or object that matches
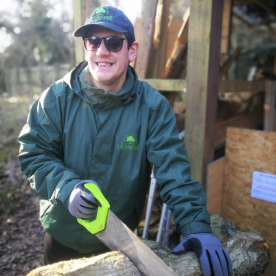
(77, 132)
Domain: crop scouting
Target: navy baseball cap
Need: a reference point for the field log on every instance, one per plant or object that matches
(108, 17)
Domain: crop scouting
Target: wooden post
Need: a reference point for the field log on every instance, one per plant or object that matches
(269, 106)
(160, 37)
(226, 26)
(202, 84)
(148, 18)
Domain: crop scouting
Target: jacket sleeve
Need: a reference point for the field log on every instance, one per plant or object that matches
(166, 151)
(40, 153)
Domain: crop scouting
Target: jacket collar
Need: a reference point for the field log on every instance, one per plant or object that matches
(98, 98)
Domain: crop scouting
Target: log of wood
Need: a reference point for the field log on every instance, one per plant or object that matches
(248, 252)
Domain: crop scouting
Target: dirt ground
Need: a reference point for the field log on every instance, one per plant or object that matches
(21, 239)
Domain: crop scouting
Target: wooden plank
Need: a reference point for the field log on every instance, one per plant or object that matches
(224, 86)
(269, 106)
(173, 30)
(248, 151)
(215, 186)
(160, 38)
(148, 17)
(249, 120)
(202, 84)
(227, 96)
(167, 84)
(178, 48)
(226, 26)
(241, 86)
(173, 68)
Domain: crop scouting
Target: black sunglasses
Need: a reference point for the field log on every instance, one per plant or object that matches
(112, 43)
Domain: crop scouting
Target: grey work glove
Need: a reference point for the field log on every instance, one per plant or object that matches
(82, 203)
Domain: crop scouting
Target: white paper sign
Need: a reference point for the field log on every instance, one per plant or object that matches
(264, 186)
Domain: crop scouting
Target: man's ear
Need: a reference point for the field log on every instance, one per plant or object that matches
(133, 50)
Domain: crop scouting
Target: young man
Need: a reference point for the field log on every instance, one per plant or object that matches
(100, 124)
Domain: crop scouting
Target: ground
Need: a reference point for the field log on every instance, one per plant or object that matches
(21, 240)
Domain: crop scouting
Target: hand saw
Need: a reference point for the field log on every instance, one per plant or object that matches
(117, 236)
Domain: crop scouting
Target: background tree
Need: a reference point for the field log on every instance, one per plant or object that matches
(258, 46)
(37, 36)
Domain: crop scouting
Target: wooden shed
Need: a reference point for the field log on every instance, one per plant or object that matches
(229, 125)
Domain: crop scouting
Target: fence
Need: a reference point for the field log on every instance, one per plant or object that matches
(32, 80)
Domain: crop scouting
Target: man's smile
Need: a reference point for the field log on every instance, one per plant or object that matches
(104, 64)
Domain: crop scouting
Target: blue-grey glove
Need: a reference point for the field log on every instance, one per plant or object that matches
(82, 203)
(214, 259)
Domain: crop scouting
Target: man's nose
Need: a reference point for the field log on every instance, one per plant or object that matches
(102, 49)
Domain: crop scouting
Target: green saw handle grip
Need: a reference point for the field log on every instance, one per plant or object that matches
(99, 223)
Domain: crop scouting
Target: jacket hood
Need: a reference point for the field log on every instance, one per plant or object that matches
(98, 98)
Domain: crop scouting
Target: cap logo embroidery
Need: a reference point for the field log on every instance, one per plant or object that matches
(101, 10)
(100, 13)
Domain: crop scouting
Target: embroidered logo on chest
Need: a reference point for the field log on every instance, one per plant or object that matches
(129, 143)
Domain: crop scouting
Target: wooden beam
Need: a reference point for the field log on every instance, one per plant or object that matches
(178, 48)
(160, 37)
(168, 85)
(148, 18)
(230, 86)
(173, 67)
(226, 26)
(173, 30)
(241, 18)
(241, 86)
(202, 84)
(269, 106)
